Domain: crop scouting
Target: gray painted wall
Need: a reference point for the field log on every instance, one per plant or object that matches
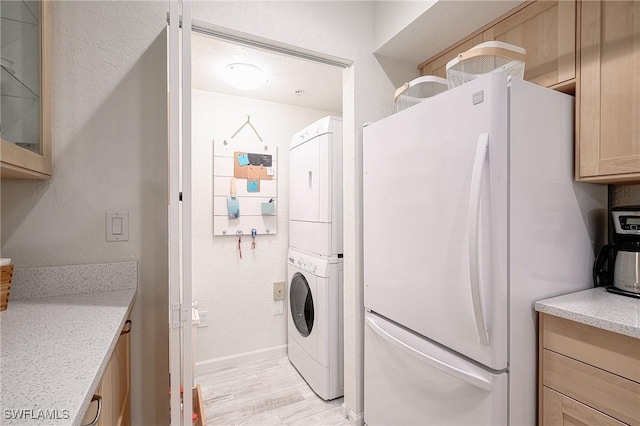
(624, 195)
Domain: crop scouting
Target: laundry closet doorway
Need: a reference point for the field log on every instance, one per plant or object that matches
(233, 273)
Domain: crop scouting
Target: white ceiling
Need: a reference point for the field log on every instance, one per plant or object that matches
(424, 29)
(321, 84)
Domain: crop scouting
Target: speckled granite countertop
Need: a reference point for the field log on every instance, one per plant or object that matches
(54, 349)
(598, 308)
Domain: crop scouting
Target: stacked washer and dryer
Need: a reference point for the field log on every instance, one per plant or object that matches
(315, 265)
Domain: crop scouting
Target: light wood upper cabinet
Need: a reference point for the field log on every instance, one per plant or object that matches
(25, 143)
(608, 93)
(438, 66)
(547, 30)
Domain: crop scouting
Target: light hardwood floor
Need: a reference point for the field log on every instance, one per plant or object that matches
(268, 392)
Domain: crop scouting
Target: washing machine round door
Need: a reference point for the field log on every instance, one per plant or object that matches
(301, 304)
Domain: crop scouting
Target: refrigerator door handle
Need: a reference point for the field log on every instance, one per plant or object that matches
(474, 237)
(466, 376)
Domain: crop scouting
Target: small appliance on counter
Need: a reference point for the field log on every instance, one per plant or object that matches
(618, 265)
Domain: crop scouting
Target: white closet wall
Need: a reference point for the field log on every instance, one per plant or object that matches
(238, 293)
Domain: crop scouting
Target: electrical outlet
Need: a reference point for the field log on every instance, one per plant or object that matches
(278, 307)
(204, 317)
(278, 290)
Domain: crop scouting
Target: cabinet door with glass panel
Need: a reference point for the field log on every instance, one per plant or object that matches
(25, 151)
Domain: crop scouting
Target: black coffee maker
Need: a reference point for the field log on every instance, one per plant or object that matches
(618, 265)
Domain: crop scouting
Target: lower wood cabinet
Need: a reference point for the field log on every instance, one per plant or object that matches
(588, 376)
(115, 387)
(560, 410)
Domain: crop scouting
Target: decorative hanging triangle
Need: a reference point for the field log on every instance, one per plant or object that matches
(250, 125)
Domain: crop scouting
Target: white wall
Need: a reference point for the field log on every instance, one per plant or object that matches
(237, 293)
(391, 17)
(109, 152)
(342, 29)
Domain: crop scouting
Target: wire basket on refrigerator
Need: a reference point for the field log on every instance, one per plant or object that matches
(485, 58)
(417, 90)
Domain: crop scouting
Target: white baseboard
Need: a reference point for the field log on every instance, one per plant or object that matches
(215, 364)
(344, 410)
(354, 419)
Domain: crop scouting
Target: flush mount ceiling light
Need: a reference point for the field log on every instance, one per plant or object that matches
(244, 76)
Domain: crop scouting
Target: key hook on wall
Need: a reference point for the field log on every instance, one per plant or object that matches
(239, 234)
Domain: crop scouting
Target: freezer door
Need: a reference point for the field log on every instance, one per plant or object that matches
(411, 381)
(435, 224)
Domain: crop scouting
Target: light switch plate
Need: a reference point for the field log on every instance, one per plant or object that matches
(117, 225)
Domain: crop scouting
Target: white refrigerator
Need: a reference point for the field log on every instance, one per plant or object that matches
(471, 214)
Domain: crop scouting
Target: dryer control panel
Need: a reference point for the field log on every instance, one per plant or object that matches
(320, 127)
(307, 265)
(318, 266)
